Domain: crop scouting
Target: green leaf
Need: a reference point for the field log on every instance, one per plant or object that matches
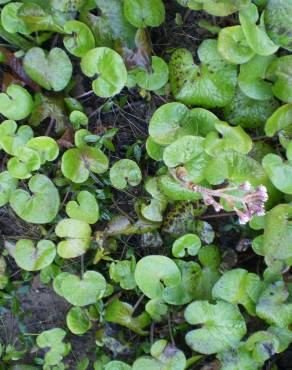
(45, 146)
(150, 281)
(125, 172)
(84, 209)
(263, 345)
(249, 113)
(272, 306)
(10, 20)
(223, 8)
(8, 185)
(78, 119)
(122, 272)
(173, 189)
(281, 119)
(82, 39)
(279, 72)
(117, 365)
(183, 150)
(78, 163)
(121, 313)
(279, 172)
(40, 208)
(78, 321)
(255, 35)
(111, 70)
(233, 46)
(27, 160)
(154, 150)
(85, 291)
(31, 258)
(190, 242)
(77, 234)
(238, 286)
(156, 78)
(12, 138)
(251, 79)
(16, 103)
(211, 85)
(238, 359)
(222, 326)
(278, 14)
(143, 13)
(51, 70)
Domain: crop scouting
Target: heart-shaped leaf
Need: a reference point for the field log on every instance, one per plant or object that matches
(221, 326)
(51, 70)
(27, 160)
(77, 234)
(31, 258)
(143, 13)
(78, 321)
(83, 292)
(122, 272)
(13, 139)
(40, 208)
(16, 103)
(277, 20)
(150, 281)
(10, 19)
(46, 147)
(255, 35)
(173, 190)
(77, 163)
(84, 209)
(251, 78)
(125, 172)
(82, 39)
(211, 85)
(281, 119)
(279, 72)
(233, 46)
(279, 172)
(110, 68)
(190, 242)
(183, 150)
(8, 185)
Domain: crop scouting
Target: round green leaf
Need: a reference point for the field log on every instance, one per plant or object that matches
(221, 326)
(78, 321)
(117, 365)
(280, 173)
(77, 234)
(51, 70)
(31, 258)
(125, 172)
(251, 78)
(13, 139)
(110, 68)
(10, 20)
(78, 118)
(280, 73)
(84, 209)
(190, 242)
(83, 292)
(255, 35)
(82, 39)
(40, 208)
(16, 103)
(8, 185)
(27, 160)
(155, 79)
(210, 85)
(281, 119)
(143, 13)
(183, 150)
(154, 150)
(78, 163)
(46, 147)
(149, 279)
(278, 14)
(233, 46)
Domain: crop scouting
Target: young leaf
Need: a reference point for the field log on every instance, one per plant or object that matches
(125, 172)
(222, 326)
(122, 272)
(190, 242)
(78, 321)
(12, 139)
(84, 209)
(51, 70)
(46, 147)
(16, 103)
(27, 160)
(82, 39)
(111, 70)
(40, 208)
(31, 258)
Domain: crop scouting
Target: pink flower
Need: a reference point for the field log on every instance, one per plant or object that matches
(246, 186)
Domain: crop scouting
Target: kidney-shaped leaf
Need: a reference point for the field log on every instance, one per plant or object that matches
(222, 326)
(16, 103)
(125, 172)
(82, 39)
(143, 13)
(84, 209)
(153, 273)
(13, 139)
(189, 242)
(281, 119)
(27, 160)
(110, 68)
(78, 321)
(279, 172)
(31, 258)
(45, 146)
(41, 207)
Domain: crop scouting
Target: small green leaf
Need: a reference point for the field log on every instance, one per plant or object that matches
(82, 39)
(27, 160)
(78, 321)
(222, 326)
(45, 146)
(122, 272)
(8, 185)
(40, 208)
(190, 242)
(16, 103)
(10, 20)
(51, 70)
(281, 119)
(117, 365)
(279, 72)
(279, 172)
(31, 258)
(111, 70)
(125, 172)
(84, 209)
(143, 13)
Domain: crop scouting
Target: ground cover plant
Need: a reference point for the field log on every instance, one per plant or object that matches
(145, 184)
